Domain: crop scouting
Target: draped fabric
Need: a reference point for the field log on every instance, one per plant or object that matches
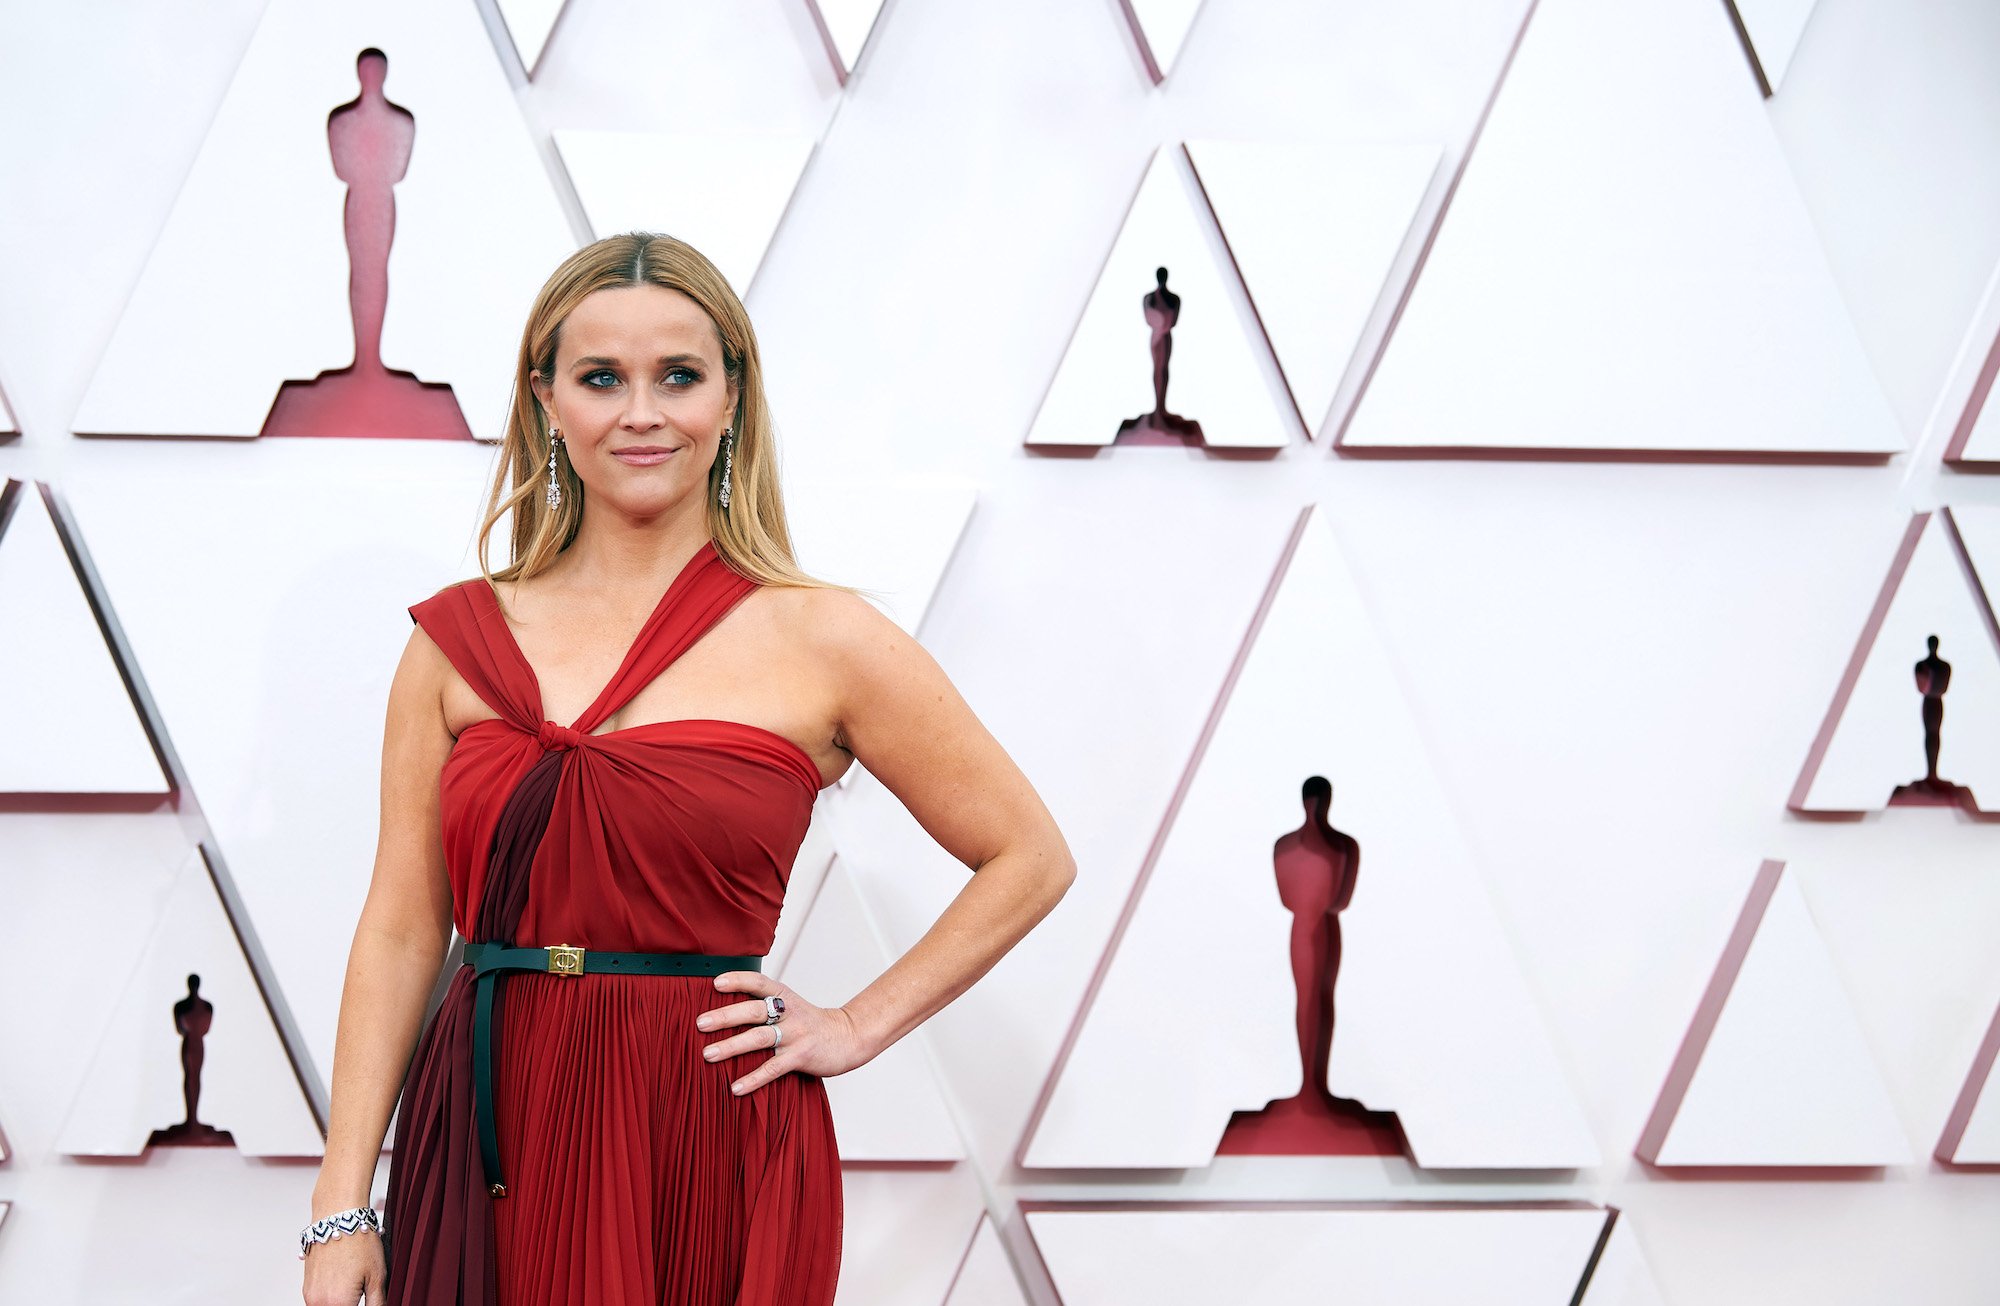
(633, 1173)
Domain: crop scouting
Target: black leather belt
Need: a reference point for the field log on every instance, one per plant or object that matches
(562, 959)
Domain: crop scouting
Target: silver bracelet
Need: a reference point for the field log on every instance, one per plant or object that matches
(361, 1219)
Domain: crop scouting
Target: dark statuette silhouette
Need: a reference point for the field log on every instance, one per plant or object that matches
(1163, 309)
(1316, 867)
(193, 1015)
(1933, 675)
(370, 139)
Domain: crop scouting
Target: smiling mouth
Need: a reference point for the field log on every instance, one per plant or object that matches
(644, 455)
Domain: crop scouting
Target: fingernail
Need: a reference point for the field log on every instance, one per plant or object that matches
(736, 1088)
(709, 1053)
(701, 1022)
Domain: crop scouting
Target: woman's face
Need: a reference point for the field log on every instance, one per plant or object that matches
(639, 396)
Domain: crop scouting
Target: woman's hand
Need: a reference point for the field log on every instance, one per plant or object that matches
(346, 1270)
(818, 1040)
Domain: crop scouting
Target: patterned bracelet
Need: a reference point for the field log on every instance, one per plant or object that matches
(361, 1219)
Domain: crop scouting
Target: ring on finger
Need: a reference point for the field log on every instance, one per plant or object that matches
(777, 1036)
(774, 1007)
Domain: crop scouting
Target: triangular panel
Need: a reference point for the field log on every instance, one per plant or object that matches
(134, 1086)
(1219, 373)
(1774, 1070)
(986, 1276)
(529, 23)
(71, 723)
(730, 217)
(846, 25)
(1433, 1020)
(254, 258)
(1871, 750)
(1160, 27)
(1315, 230)
(1626, 265)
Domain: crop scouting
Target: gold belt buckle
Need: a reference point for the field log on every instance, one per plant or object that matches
(565, 959)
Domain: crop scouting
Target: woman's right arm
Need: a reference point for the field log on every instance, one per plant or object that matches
(399, 947)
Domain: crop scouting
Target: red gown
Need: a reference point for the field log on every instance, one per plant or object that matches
(633, 1174)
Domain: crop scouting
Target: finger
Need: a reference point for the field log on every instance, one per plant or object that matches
(750, 1040)
(736, 1013)
(762, 1075)
(746, 981)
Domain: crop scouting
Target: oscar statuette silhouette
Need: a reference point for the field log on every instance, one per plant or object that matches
(1317, 867)
(370, 139)
(193, 1017)
(1933, 675)
(1162, 308)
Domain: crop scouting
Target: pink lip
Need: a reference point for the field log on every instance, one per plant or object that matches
(642, 455)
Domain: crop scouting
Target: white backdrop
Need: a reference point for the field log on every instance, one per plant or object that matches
(1616, 668)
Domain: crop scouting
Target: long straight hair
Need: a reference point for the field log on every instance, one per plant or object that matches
(750, 534)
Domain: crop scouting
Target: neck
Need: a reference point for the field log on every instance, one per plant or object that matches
(617, 554)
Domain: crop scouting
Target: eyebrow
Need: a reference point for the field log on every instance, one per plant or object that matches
(598, 360)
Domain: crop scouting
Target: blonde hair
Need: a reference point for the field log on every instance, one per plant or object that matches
(751, 534)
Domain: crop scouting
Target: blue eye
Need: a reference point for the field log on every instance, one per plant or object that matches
(590, 378)
(691, 375)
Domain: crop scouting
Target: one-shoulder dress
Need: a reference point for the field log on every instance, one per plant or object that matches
(632, 1173)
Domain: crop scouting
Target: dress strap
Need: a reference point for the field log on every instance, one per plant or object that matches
(700, 596)
(476, 641)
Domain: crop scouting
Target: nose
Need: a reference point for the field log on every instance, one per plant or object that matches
(642, 412)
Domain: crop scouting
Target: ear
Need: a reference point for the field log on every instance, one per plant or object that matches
(544, 393)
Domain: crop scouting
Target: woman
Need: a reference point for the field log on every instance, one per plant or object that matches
(568, 1133)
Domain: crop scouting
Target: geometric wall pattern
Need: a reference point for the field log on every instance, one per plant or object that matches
(134, 1086)
(1625, 265)
(1160, 27)
(985, 1277)
(1432, 1020)
(1775, 1069)
(1219, 375)
(1398, 1255)
(1871, 751)
(254, 257)
(1772, 29)
(528, 24)
(1972, 1134)
(1315, 284)
(730, 218)
(71, 724)
(889, 1109)
(1718, 332)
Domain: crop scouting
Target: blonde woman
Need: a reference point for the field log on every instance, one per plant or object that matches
(598, 766)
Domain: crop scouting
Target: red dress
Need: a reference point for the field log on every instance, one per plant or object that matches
(633, 1174)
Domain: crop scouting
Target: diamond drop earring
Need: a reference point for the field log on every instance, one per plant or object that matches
(728, 448)
(553, 496)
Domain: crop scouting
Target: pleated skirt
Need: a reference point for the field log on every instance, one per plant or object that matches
(634, 1174)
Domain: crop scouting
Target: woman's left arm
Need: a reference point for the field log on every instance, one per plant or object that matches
(902, 718)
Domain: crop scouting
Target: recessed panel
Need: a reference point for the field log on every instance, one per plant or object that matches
(1264, 894)
(1315, 230)
(1775, 1070)
(268, 626)
(1626, 265)
(1915, 720)
(637, 181)
(255, 256)
(190, 1057)
(72, 726)
(1168, 350)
